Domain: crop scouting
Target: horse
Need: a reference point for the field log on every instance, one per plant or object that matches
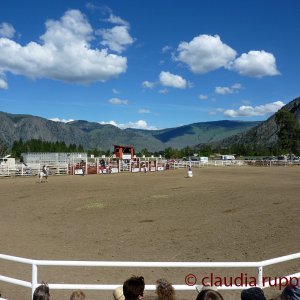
(43, 177)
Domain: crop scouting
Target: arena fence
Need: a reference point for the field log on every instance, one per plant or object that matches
(198, 164)
(178, 164)
(122, 264)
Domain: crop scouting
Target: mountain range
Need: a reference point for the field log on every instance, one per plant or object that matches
(94, 135)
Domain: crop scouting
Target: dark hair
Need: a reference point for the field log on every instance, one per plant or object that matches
(209, 295)
(41, 292)
(253, 293)
(133, 288)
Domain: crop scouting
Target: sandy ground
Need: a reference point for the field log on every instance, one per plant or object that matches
(221, 214)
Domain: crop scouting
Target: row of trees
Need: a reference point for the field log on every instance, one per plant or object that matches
(208, 150)
(35, 145)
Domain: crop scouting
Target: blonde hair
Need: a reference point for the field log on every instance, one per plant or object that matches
(165, 290)
(77, 295)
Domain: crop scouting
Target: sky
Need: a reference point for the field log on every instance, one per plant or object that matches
(149, 64)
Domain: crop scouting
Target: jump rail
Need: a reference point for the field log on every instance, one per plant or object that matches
(35, 263)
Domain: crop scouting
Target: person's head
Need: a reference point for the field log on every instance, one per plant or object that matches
(41, 292)
(254, 293)
(292, 291)
(164, 290)
(133, 288)
(77, 295)
(208, 294)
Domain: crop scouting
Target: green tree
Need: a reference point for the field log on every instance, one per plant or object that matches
(145, 152)
(17, 148)
(206, 150)
(169, 153)
(288, 133)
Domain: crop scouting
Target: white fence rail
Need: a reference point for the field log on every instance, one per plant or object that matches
(32, 169)
(199, 164)
(36, 263)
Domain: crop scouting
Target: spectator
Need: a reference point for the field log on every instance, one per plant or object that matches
(292, 291)
(77, 295)
(164, 290)
(41, 292)
(209, 294)
(254, 293)
(118, 293)
(133, 288)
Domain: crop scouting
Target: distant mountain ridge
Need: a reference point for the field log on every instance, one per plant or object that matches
(94, 135)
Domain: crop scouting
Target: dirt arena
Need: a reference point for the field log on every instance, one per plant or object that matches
(221, 214)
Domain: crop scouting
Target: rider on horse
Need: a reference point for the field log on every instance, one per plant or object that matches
(44, 170)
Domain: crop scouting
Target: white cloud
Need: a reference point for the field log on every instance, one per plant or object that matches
(3, 84)
(190, 84)
(166, 49)
(215, 112)
(144, 111)
(92, 6)
(205, 53)
(246, 101)
(163, 91)
(116, 38)
(148, 84)
(64, 54)
(61, 120)
(140, 124)
(250, 111)
(117, 101)
(255, 64)
(115, 91)
(109, 123)
(117, 20)
(203, 97)
(172, 80)
(223, 90)
(7, 30)
(237, 86)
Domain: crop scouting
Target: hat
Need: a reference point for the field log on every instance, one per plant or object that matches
(292, 291)
(254, 293)
(201, 288)
(118, 293)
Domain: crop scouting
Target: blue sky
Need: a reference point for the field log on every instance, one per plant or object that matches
(148, 64)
